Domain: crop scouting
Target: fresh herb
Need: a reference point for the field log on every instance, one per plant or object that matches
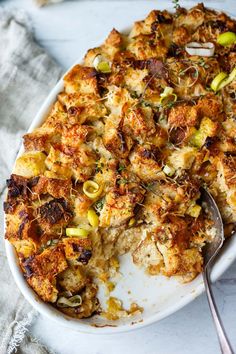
(207, 88)
(146, 104)
(182, 72)
(99, 167)
(98, 206)
(49, 243)
(203, 64)
(122, 181)
(170, 145)
(134, 94)
(121, 168)
(176, 4)
(163, 238)
(170, 104)
(148, 186)
(163, 119)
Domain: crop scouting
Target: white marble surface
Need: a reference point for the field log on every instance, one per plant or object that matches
(66, 30)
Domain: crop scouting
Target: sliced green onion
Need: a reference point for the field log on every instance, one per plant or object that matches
(194, 211)
(93, 218)
(76, 232)
(132, 222)
(207, 129)
(226, 38)
(104, 67)
(221, 80)
(200, 49)
(168, 170)
(101, 64)
(97, 60)
(218, 80)
(92, 189)
(168, 93)
(229, 79)
(73, 301)
(198, 139)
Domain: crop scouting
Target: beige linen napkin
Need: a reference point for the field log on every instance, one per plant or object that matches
(27, 74)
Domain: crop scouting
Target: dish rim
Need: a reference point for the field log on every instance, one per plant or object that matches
(46, 309)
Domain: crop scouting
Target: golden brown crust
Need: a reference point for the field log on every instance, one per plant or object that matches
(183, 116)
(48, 263)
(81, 79)
(210, 106)
(44, 288)
(78, 249)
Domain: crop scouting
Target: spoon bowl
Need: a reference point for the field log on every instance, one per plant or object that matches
(210, 251)
(209, 205)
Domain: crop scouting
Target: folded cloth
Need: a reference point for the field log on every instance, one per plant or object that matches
(27, 74)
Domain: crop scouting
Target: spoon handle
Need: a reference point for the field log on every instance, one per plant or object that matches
(222, 337)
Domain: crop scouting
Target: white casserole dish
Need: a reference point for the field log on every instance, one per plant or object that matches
(158, 295)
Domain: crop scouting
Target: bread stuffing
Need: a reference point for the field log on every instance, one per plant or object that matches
(145, 121)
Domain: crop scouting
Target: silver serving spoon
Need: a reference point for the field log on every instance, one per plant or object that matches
(209, 252)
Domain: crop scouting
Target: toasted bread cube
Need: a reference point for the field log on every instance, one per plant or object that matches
(183, 158)
(25, 248)
(40, 139)
(210, 106)
(56, 119)
(30, 164)
(54, 214)
(75, 135)
(229, 126)
(72, 279)
(116, 141)
(134, 79)
(208, 127)
(82, 80)
(118, 209)
(82, 205)
(181, 36)
(141, 46)
(187, 263)
(82, 107)
(58, 164)
(57, 188)
(226, 179)
(183, 116)
(67, 161)
(191, 19)
(21, 224)
(151, 24)
(44, 287)
(17, 188)
(113, 43)
(48, 263)
(139, 27)
(144, 164)
(139, 123)
(158, 16)
(78, 249)
(226, 172)
(147, 255)
(117, 99)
